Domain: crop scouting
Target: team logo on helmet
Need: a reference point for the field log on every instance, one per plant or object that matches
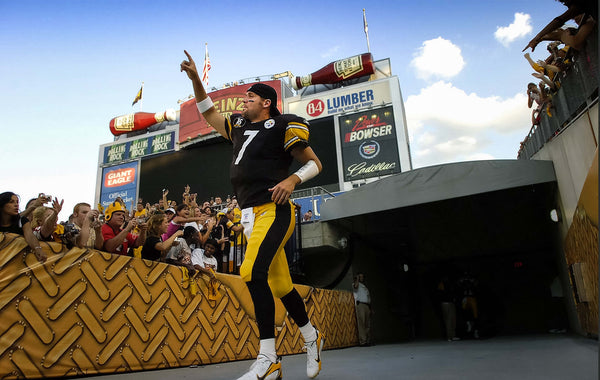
(239, 122)
(269, 123)
(369, 149)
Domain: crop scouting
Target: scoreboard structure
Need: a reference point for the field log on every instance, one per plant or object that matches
(368, 124)
(357, 128)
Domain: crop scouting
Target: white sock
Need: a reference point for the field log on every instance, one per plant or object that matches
(267, 348)
(309, 333)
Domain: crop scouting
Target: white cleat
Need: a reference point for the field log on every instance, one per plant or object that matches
(263, 369)
(313, 355)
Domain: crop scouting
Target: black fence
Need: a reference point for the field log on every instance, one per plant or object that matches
(577, 93)
(235, 250)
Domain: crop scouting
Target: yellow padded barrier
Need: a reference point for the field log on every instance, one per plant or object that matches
(89, 312)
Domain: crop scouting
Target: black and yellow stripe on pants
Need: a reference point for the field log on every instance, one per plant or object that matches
(265, 257)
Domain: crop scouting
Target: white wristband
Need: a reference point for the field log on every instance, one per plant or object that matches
(308, 171)
(205, 104)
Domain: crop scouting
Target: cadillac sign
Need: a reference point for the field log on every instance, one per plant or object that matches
(369, 144)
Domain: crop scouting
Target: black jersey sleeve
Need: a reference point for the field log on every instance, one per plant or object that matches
(296, 132)
(228, 127)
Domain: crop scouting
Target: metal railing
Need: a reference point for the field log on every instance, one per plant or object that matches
(577, 93)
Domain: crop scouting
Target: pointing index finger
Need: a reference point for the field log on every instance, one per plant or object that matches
(188, 55)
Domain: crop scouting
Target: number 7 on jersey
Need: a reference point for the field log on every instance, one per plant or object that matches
(251, 135)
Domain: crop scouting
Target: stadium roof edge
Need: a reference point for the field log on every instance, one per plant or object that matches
(437, 183)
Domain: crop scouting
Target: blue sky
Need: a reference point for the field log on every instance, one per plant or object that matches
(68, 67)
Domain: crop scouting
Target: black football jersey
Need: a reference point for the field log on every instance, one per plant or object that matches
(261, 154)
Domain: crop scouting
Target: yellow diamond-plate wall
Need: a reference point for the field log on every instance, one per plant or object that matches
(87, 312)
(581, 246)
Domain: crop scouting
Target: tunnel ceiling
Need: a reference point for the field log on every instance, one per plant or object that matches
(454, 211)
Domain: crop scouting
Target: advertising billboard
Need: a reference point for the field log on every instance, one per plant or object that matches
(119, 181)
(134, 149)
(227, 101)
(347, 100)
(369, 144)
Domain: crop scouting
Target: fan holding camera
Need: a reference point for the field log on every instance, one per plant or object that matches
(86, 229)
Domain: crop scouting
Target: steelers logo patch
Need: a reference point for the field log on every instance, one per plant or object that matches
(269, 123)
(239, 122)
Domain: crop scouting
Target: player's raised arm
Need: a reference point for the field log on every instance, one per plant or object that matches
(203, 101)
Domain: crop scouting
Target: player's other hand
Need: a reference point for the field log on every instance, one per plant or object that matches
(281, 192)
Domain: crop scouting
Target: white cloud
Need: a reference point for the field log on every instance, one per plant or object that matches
(479, 157)
(520, 27)
(459, 144)
(329, 53)
(448, 125)
(438, 58)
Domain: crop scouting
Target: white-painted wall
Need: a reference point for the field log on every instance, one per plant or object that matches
(572, 152)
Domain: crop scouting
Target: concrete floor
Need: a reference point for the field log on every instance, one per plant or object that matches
(519, 357)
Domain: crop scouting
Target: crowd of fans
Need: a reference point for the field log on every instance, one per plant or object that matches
(565, 44)
(204, 237)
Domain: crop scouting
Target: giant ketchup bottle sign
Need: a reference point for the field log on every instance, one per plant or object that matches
(347, 68)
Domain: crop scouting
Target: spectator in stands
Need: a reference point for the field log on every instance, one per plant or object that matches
(204, 260)
(218, 203)
(45, 222)
(543, 70)
(575, 8)
(120, 200)
(206, 228)
(574, 37)
(237, 238)
(164, 203)
(190, 200)
(11, 221)
(197, 224)
(186, 192)
(181, 252)
(117, 239)
(141, 213)
(169, 213)
(307, 216)
(154, 247)
(85, 221)
(226, 220)
(218, 233)
(561, 57)
(34, 203)
(182, 216)
(535, 95)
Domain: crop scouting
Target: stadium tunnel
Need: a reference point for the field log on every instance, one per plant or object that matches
(404, 232)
